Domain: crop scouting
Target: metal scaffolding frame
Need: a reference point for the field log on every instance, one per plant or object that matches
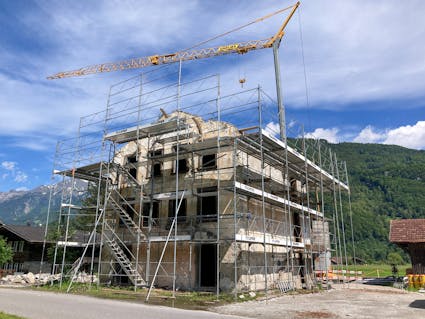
(190, 181)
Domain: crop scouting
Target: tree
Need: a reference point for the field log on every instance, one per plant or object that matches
(54, 235)
(394, 259)
(87, 217)
(6, 253)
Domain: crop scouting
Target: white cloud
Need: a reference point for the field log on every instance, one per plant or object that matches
(353, 66)
(369, 135)
(21, 177)
(22, 189)
(291, 124)
(331, 134)
(35, 142)
(358, 64)
(272, 128)
(7, 165)
(411, 136)
(13, 172)
(342, 67)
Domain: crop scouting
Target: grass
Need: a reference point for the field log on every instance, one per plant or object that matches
(8, 316)
(183, 299)
(378, 270)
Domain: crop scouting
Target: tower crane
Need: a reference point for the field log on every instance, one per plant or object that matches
(185, 55)
(194, 54)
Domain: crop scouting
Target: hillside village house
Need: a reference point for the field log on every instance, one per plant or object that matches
(27, 245)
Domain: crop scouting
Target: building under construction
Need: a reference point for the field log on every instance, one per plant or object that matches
(198, 190)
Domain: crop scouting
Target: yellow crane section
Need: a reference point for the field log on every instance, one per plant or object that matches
(186, 55)
(142, 62)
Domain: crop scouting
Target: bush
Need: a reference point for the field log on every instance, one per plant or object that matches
(6, 253)
(394, 259)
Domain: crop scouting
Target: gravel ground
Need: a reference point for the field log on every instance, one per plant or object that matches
(352, 301)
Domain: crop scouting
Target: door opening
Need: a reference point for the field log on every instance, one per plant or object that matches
(208, 265)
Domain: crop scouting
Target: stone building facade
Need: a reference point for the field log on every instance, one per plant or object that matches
(221, 207)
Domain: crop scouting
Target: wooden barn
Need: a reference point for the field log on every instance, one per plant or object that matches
(409, 234)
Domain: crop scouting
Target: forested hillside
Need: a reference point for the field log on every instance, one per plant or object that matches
(387, 182)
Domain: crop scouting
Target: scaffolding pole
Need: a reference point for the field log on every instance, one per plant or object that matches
(342, 216)
(351, 219)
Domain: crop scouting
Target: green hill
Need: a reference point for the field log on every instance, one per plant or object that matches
(387, 182)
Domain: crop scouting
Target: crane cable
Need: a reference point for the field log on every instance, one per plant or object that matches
(241, 80)
(240, 27)
(304, 69)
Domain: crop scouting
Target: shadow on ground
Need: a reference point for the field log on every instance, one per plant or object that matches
(418, 304)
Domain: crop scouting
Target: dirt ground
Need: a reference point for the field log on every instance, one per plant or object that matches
(350, 301)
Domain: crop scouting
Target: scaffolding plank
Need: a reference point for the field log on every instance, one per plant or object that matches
(258, 193)
(269, 240)
(176, 135)
(170, 195)
(172, 238)
(62, 243)
(88, 172)
(294, 156)
(143, 131)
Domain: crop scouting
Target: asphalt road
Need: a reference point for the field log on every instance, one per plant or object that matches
(45, 305)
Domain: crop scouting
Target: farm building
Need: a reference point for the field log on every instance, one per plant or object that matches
(409, 234)
(27, 245)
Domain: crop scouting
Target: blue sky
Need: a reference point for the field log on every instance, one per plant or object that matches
(364, 64)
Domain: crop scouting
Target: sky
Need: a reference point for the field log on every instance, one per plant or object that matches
(352, 70)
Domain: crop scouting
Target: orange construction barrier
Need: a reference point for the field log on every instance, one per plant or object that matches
(421, 281)
(410, 281)
(416, 281)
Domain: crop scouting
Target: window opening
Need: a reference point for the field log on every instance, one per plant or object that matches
(172, 210)
(132, 170)
(156, 166)
(209, 162)
(207, 204)
(155, 213)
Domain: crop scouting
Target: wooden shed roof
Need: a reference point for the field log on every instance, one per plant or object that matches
(407, 231)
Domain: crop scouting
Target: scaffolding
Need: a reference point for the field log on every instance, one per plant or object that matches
(194, 189)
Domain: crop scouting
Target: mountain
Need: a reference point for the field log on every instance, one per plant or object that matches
(22, 207)
(387, 182)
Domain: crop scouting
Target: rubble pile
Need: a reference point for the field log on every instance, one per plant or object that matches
(84, 278)
(31, 279)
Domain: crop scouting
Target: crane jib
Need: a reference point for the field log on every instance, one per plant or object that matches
(186, 55)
